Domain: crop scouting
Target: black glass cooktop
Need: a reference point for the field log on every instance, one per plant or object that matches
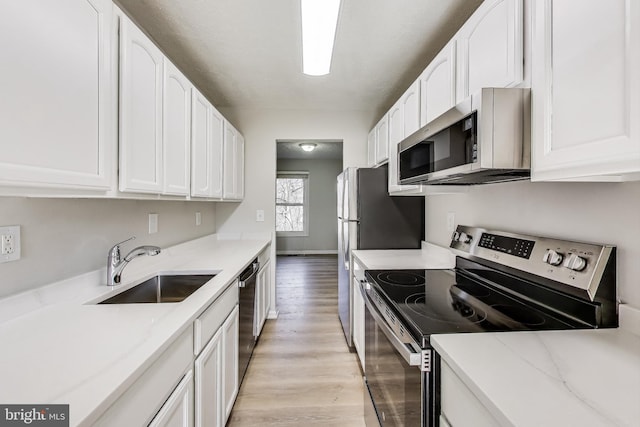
(445, 301)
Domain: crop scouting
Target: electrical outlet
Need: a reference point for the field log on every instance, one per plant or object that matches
(9, 243)
(198, 218)
(260, 215)
(451, 221)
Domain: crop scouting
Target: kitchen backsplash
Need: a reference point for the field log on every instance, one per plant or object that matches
(590, 212)
(62, 238)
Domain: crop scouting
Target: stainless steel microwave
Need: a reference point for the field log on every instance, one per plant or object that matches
(485, 138)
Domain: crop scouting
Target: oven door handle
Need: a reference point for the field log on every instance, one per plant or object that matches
(411, 357)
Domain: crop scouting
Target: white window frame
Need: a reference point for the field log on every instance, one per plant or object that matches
(305, 203)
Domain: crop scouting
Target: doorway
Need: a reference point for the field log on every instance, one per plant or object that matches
(306, 199)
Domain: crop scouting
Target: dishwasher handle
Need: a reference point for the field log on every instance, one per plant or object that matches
(248, 274)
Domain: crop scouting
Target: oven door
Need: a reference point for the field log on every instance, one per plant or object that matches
(394, 379)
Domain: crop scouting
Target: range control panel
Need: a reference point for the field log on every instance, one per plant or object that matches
(576, 264)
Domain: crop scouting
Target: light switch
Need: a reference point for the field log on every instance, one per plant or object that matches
(153, 223)
(451, 221)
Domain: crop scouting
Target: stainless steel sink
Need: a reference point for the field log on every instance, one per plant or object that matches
(161, 288)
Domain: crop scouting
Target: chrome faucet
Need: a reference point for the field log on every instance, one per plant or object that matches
(115, 265)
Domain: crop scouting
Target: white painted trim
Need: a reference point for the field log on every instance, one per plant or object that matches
(309, 252)
(273, 314)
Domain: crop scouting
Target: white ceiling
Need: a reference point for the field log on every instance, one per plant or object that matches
(247, 53)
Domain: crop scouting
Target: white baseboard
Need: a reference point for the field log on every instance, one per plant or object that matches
(309, 252)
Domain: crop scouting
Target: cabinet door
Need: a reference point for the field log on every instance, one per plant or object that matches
(263, 295)
(207, 129)
(55, 86)
(230, 362)
(404, 119)
(178, 409)
(490, 51)
(176, 119)
(239, 164)
(141, 66)
(371, 148)
(382, 140)
(358, 320)
(586, 81)
(228, 169)
(208, 384)
(233, 181)
(438, 85)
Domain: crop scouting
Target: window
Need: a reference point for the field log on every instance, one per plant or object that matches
(292, 200)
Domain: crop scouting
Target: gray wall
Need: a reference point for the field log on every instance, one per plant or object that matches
(589, 212)
(62, 238)
(323, 228)
(261, 129)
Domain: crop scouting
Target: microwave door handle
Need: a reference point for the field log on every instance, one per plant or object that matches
(411, 357)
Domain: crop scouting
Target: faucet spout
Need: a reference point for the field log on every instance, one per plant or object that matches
(115, 265)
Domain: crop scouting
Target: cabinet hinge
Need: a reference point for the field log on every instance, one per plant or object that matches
(425, 365)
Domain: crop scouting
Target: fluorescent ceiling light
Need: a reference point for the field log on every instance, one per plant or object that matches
(319, 21)
(307, 146)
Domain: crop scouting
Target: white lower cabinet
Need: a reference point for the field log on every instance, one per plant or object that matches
(160, 389)
(178, 409)
(216, 363)
(459, 406)
(358, 321)
(208, 367)
(263, 296)
(230, 336)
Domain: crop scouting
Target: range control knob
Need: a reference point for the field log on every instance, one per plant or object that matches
(464, 238)
(552, 257)
(575, 262)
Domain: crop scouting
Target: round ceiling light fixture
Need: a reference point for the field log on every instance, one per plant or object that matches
(308, 146)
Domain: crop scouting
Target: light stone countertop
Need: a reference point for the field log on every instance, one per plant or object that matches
(553, 378)
(58, 347)
(430, 256)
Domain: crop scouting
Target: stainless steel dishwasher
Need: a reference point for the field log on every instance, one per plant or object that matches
(247, 339)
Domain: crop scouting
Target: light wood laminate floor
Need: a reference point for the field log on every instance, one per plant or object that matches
(301, 372)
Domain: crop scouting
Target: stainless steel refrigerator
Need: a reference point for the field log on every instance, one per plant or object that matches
(368, 218)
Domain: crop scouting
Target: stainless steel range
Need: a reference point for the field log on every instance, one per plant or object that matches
(501, 282)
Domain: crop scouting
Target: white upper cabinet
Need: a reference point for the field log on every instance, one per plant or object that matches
(239, 164)
(176, 134)
(206, 146)
(55, 94)
(371, 148)
(585, 90)
(490, 47)
(233, 181)
(403, 120)
(438, 85)
(141, 64)
(382, 140)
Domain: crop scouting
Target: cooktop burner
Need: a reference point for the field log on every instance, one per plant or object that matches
(444, 301)
(401, 278)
